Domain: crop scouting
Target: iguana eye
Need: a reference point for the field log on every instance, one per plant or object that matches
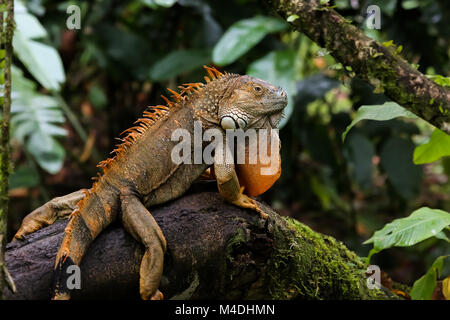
(257, 88)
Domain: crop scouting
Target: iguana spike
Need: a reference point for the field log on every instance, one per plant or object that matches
(175, 94)
(169, 103)
(127, 130)
(213, 72)
(217, 72)
(156, 113)
(148, 114)
(210, 73)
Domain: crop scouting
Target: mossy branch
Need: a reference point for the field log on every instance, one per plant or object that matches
(215, 251)
(371, 61)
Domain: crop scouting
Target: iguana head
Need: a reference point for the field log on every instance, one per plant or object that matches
(251, 103)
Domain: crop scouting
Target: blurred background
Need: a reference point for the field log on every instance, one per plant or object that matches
(75, 90)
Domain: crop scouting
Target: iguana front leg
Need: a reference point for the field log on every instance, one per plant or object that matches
(60, 207)
(228, 182)
(138, 221)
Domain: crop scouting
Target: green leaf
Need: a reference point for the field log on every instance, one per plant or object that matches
(436, 148)
(277, 67)
(388, 43)
(178, 62)
(386, 111)
(410, 4)
(420, 225)
(405, 177)
(48, 153)
(23, 177)
(423, 288)
(441, 80)
(442, 236)
(292, 18)
(27, 24)
(33, 118)
(41, 60)
(244, 35)
(158, 3)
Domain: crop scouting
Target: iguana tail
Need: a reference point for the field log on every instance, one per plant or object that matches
(92, 216)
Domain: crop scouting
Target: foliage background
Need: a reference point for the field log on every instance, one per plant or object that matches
(71, 102)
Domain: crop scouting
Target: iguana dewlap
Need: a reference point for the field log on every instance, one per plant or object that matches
(144, 173)
(251, 176)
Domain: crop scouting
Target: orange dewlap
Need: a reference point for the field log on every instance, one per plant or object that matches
(251, 178)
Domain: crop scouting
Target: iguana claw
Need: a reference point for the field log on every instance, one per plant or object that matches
(245, 201)
(158, 295)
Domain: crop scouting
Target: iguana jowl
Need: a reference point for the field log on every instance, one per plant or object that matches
(142, 175)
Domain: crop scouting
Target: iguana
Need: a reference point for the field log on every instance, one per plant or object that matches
(141, 174)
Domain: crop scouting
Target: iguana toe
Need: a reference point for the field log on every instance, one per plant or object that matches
(245, 201)
(157, 296)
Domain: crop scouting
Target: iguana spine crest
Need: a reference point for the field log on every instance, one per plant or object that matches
(149, 118)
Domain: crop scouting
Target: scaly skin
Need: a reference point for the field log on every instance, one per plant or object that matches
(142, 174)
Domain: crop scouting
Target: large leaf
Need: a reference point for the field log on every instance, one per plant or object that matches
(405, 176)
(420, 225)
(244, 35)
(436, 148)
(423, 288)
(277, 67)
(43, 61)
(35, 118)
(47, 151)
(178, 62)
(28, 24)
(386, 111)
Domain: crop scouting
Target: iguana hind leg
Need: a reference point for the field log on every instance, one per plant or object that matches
(86, 222)
(138, 221)
(60, 207)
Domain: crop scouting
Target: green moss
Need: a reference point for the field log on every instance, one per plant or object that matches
(307, 265)
(239, 238)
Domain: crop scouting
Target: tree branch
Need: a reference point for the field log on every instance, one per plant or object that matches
(215, 251)
(370, 60)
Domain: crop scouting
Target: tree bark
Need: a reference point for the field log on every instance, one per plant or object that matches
(6, 34)
(371, 61)
(215, 251)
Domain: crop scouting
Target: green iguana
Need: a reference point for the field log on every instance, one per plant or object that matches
(142, 175)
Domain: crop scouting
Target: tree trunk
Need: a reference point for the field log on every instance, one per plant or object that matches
(215, 251)
(6, 34)
(371, 61)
